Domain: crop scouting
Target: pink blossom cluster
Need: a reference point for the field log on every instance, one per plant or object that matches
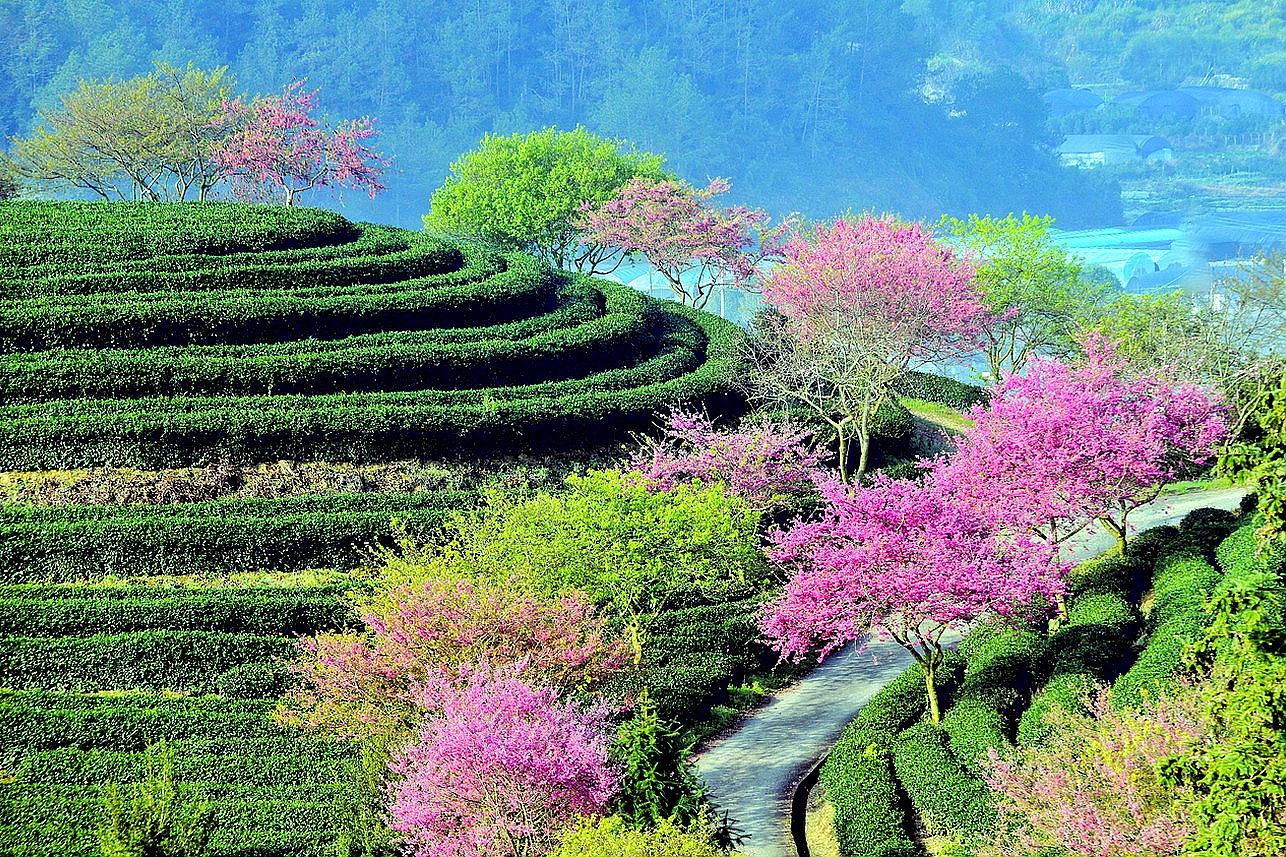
(501, 767)
(904, 297)
(1095, 791)
(672, 225)
(429, 631)
(769, 466)
(900, 559)
(1060, 444)
(277, 148)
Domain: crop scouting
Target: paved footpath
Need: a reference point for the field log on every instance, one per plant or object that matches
(752, 773)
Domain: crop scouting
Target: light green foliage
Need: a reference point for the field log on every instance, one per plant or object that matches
(1261, 461)
(1031, 281)
(613, 837)
(1240, 776)
(150, 137)
(156, 822)
(629, 549)
(524, 190)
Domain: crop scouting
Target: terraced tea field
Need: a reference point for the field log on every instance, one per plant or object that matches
(155, 336)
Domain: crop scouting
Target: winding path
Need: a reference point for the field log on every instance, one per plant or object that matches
(752, 773)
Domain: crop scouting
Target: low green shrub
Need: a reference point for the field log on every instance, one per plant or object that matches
(261, 680)
(53, 611)
(157, 433)
(940, 389)
(190, 661)
(1208, 528)
(998, 680)
(1066, 692)
(1125, 576)
(212, 537)
(948, 798)
(870, 811)
(94, 767)
(1107, 609)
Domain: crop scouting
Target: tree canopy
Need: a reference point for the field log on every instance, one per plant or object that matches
(526, 191)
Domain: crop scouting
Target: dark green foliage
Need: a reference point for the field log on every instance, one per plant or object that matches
(1125, 576)
(190, 661)
(1064, 692)
(858, 776)
(999, 678)
(81, 611)
(253, 681)
(74, 233)
(658, 781)
(940, 389)
(361, 831)
(151, 820)
(214, 537)
(947, 797)
(1207, 528)
(870, 812)
(696, 359)
(412, 360)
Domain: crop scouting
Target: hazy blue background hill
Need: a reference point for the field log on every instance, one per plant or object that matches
(921, 106)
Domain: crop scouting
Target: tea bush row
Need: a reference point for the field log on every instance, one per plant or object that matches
(373, 362)
(214, 537)
(522, 287)
(73, 233)
(697, 361)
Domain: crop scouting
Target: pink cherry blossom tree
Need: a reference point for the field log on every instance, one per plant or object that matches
(502, 768)
(860, 305)
(1096, 790)
(771, 467)
(277, 149)
(695, 246)
(1061, 445)
(897, 560)
(358, 684)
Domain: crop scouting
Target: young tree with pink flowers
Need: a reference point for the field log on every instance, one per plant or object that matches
(359, 684)
(502, 768)
(695, 246)
(861, 304)
(772, 467)
(1098, 788)
(277, 149)
(1061, 445)
(899, 561)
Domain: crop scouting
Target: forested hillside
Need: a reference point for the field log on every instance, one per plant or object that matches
(820, 107)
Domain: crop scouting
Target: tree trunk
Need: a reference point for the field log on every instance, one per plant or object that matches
(931, 688)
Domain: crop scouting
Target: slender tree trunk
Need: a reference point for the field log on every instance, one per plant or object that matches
(931, 689)
(1117, 530)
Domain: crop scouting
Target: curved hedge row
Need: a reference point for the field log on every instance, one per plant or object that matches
(75, 234)
(621, 336)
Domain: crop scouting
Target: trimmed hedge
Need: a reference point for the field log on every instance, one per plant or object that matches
(158, 433)
(189, 661)
(940, 389)
(1001, 670)
(95, 767)
(62, 543)
(397, 361)
(523, 288)
(858, 776)
(75, 233)
(275, 613)
(947, 797)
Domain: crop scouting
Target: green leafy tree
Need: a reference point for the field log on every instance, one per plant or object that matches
(630, 549)
(1033, 287)
(524, 191)
(156, 821)
(150, 137)
(1261, 461)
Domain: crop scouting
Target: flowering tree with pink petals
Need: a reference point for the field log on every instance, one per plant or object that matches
(897, 560)
(278, 150)
(863, 303)
(769, 466)
(1061, 445)
(1096, 790)
(501, 769)
(695, 246)
(360, 684)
